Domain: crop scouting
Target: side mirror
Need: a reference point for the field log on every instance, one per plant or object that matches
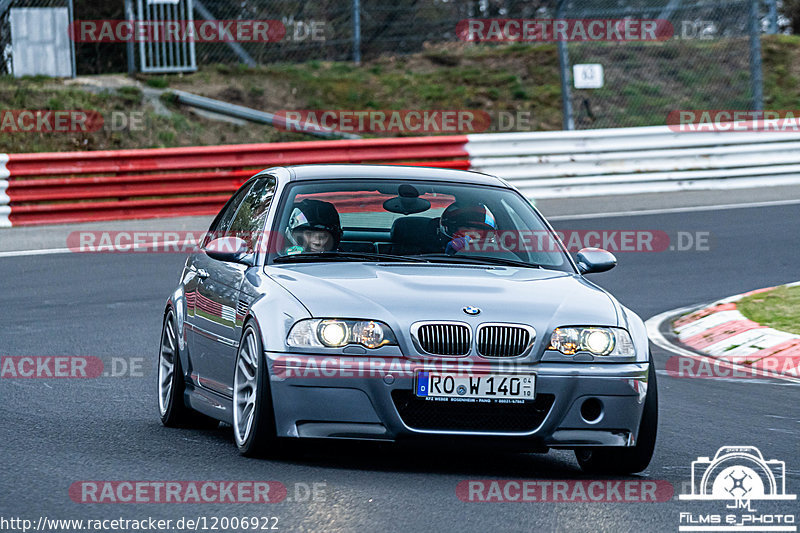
(593, 260)
(230, 250)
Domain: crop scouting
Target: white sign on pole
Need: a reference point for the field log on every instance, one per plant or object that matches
(587, 76)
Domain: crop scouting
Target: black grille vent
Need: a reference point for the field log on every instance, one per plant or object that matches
(444, 339)
(242, 307)
(502, 340)
(420, 413)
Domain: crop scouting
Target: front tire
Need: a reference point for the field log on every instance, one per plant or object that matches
(253, 414)
(171, 386)
(631, 460)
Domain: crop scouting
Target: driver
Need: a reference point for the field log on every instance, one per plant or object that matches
(314, 226)
(469, 227)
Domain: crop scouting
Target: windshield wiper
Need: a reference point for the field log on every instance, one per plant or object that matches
(481, 259)
(346, 256)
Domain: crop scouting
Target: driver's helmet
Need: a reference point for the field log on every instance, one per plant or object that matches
(474, 217)
(315, 215)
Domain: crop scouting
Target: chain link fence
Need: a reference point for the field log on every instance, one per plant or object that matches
(319, 30)
(709, 62)
(331, 30)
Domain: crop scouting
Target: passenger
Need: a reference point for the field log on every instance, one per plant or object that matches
(314, 226)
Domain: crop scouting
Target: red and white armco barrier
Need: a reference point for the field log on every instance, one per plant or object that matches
(637, 160)
(51, 188)
(88, 186)
(5, 209)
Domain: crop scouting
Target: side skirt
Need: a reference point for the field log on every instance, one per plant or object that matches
(209, 403)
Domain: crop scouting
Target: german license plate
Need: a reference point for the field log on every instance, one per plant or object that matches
(483, 387)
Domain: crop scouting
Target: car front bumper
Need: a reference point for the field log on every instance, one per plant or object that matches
(369, 398)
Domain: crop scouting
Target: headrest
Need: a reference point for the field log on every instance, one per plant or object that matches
(411, 230)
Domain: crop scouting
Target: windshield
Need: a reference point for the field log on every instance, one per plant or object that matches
(359, 220)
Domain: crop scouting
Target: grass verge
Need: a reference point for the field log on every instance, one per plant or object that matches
(644, 82)
(778, 308)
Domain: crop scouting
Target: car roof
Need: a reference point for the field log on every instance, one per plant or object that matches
(315, 172)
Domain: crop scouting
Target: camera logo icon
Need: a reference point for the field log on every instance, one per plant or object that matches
(738, 473)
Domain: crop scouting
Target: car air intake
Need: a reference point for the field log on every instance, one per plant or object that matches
(418, 413)
(444, 339)
(499, 340)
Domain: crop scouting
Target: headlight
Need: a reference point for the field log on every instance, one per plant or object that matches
(332, 333)
(370, 334)
(595, 340)
(335, 333)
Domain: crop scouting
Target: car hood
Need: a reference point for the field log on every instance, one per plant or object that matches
(401, 294)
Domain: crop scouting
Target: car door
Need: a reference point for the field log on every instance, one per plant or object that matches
(201, 311)
(218, 294)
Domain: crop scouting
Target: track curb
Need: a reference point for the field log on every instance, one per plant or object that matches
(724, 343)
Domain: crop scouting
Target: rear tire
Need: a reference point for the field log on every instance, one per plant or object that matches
(172, 409)
(628, 460)
(253, 415)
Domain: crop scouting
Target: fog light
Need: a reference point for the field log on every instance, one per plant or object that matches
(591, 410)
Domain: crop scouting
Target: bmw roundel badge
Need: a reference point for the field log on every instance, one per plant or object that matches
(472, 310)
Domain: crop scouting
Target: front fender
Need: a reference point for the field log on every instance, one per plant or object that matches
(275, 311)
(177, 302)
(638, 331)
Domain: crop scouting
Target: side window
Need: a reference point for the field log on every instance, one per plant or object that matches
(252, 214)
(219, 227)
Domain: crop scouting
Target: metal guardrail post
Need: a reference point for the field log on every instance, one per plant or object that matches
(131, 17)
(563, 66)
(74, 66)
(756, 79)
(356, 32)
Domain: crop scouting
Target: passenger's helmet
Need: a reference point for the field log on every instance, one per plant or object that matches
(472, 216)
(318, 215)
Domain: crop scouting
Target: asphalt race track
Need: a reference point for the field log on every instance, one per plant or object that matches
(56, 432)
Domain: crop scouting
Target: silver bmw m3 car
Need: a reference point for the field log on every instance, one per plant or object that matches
(403, 303)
